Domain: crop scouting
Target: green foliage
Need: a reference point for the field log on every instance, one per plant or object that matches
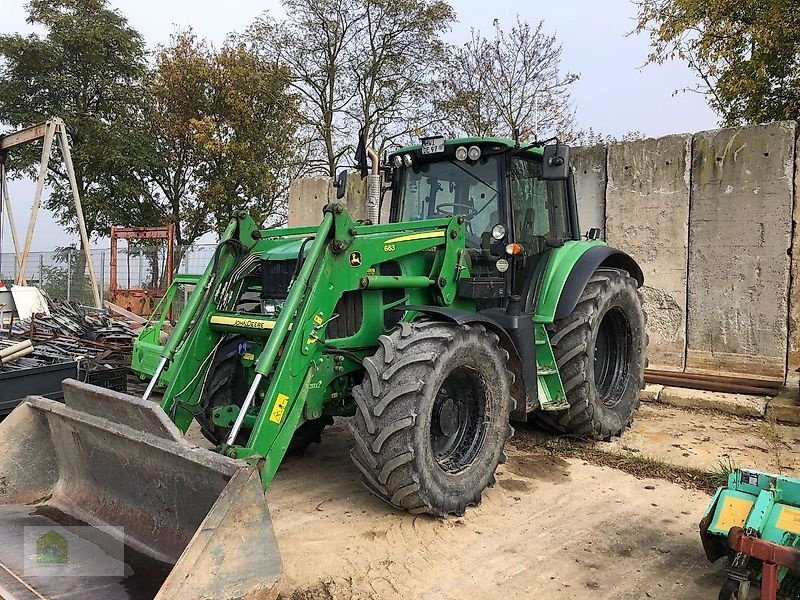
(221, 124)
(745, 52)
(84, 69)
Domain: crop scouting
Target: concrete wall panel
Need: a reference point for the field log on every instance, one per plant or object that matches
(647, 215)
(590, 186)
(793, 355)
(307, 196)
(740, 225)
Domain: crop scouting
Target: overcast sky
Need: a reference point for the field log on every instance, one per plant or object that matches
(614, 95)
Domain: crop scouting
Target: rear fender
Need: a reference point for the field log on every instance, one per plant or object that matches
(568, 271)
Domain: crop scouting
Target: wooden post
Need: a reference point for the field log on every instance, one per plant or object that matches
(65, 154)
(37, 199)
(9, 213)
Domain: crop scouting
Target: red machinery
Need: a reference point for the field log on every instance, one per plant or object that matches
(140, 300)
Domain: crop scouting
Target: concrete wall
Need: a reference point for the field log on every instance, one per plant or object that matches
(309, 195)
(647, 214)
(712, 218)
(741, 211)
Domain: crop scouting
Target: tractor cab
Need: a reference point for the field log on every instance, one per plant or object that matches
(517, 201)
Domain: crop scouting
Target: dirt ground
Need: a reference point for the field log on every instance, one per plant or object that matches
(550, 528)
(705, 439)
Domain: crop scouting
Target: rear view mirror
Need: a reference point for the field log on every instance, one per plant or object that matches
(555, 162)
(341, 184)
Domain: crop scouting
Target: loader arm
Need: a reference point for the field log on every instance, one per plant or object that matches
(340, 258)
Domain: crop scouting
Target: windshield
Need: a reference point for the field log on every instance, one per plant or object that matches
(453, 187)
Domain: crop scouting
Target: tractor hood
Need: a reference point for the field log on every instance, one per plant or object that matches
(285, 250)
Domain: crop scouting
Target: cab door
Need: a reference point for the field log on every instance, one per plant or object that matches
(541, 222)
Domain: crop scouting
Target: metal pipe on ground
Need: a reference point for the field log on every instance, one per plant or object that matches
(714, 383)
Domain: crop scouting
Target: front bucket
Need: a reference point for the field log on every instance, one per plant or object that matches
(101, 497)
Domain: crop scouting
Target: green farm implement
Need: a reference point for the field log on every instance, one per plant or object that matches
(477, 303)
(754, 522)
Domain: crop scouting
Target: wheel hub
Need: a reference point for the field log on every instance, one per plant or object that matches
(457, 421)
(448, 417)
(611, 356)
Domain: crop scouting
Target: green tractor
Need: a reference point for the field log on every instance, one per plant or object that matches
(478, 303)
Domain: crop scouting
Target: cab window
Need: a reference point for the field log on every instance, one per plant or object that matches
(453, 187)
(539, 207)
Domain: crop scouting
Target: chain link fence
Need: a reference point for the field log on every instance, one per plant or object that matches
(64, 273)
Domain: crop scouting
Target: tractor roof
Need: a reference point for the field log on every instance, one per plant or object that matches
(466, 141)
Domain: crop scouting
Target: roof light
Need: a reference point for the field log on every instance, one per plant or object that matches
(461, 153)
(398, 161)
(407, 160)
(474, 153)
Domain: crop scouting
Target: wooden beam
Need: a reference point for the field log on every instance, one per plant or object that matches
(23, 136)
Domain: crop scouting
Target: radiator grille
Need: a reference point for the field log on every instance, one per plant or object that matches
(275, 278)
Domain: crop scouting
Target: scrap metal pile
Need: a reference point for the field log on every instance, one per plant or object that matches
(70, 332)
(75, 341)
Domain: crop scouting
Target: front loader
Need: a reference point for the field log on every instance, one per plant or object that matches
(478, 302)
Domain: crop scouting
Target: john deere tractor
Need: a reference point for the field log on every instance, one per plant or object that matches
(477, 303)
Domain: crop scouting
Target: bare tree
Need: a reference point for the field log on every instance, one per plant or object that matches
(510, 83)
(312, 42)
(395, 60)
(357, 63)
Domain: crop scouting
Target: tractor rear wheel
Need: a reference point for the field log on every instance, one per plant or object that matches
(433, 416)
(226, 385)
(600, 351)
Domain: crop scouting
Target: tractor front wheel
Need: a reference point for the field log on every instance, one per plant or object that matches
(433, 416)
(600, 350)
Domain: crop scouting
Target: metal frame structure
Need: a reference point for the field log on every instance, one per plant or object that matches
(772, 556)
(139, 300)
(49, 131)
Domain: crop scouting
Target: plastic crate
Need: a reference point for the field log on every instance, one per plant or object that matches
(113, 379)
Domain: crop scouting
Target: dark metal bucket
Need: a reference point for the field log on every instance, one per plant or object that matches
(185, 521)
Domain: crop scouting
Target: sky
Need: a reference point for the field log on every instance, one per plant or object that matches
(615, 94)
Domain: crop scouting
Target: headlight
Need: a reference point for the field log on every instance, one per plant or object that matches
(474, 153)
(407, 161)
(498, 232)
(398, 161)
(461, 153)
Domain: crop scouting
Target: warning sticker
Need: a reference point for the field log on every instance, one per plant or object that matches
(789, 520)
(733, 514)
(280, 406)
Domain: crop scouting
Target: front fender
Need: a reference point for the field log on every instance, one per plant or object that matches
(569, 269)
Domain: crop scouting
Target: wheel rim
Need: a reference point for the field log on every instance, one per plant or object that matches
(458, 423)
(611, 356)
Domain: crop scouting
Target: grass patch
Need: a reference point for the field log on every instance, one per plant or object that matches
(628, 462)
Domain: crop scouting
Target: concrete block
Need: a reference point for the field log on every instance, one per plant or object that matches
(740, 226)
(647, 215)
(590, 186)
(307, 197)
(651, 392)
(793, 354)
(785, 407)
(733, 404)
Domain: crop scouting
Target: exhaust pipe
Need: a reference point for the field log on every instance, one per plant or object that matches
(374, 188)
